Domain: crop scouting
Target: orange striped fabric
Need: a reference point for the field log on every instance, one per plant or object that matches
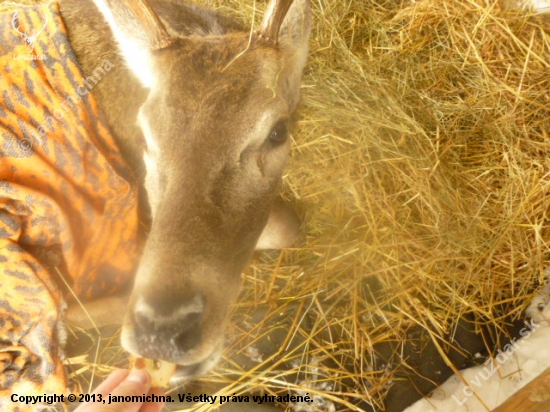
(68, 204)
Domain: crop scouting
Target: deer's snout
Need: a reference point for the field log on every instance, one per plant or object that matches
(179, 320)
(168, 336)
(181, 299)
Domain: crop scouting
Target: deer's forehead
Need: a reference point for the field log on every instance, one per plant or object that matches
(216, 92)
(213, 91)
(226, 62)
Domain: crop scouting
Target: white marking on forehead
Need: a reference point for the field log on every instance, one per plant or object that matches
(137, 58)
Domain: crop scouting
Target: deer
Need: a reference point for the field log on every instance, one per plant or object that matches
(200, 108)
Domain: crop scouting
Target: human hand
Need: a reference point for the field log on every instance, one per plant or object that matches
(124, 383)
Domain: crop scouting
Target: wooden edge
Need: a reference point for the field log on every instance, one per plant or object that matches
(533, 397)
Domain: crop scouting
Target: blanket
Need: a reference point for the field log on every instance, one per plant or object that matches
(68, 201)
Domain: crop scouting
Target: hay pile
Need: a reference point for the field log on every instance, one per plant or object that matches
(421, 161)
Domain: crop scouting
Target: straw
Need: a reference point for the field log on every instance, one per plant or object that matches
(420, 159)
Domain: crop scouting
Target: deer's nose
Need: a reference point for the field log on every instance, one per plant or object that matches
(168, 336)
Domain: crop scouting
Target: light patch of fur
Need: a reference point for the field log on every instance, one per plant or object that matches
(282, 229)
(131, 47)
(196, 305)
(150, 158)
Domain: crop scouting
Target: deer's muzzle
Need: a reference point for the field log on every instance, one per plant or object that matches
(179, 315)
(168, 337)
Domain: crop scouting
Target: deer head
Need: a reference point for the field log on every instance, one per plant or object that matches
(215, 125)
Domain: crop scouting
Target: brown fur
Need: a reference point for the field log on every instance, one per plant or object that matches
(216, 94)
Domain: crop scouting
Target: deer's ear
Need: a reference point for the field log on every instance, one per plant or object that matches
(138, 31)
(293, 42)
(282, 228)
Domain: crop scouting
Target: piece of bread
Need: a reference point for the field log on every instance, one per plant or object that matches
(161, 372)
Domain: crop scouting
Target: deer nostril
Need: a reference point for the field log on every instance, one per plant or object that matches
(189, 335)
(193, 318)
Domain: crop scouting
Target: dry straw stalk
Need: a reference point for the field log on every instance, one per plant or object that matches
(421, 159)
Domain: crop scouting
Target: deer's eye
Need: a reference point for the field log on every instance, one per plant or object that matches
(279, 132)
